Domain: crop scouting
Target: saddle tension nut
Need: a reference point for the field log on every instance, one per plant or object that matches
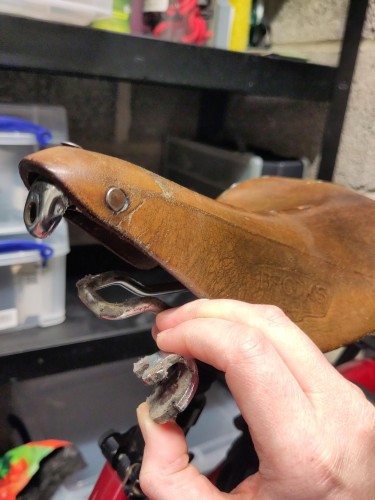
(116, 200)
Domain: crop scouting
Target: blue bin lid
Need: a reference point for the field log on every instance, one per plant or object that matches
(15, 124)
(9, 246)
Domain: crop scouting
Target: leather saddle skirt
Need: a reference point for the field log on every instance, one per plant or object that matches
(305, 246)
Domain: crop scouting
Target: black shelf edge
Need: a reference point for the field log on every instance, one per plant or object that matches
(40, 46)
(56, 359)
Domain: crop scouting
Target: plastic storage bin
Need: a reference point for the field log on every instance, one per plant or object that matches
(79, 12)
(210, 170)
(13, 147)
(32, 292)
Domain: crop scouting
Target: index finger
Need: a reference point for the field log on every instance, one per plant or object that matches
(263, 387)
(299, 353)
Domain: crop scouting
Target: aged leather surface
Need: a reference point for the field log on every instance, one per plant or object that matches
(306, 246)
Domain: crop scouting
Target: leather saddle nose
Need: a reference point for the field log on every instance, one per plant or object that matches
(305, 246)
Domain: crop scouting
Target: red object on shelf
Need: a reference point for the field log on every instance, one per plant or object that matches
(183, 22)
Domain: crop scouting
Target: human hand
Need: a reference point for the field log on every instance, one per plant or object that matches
(313, 431)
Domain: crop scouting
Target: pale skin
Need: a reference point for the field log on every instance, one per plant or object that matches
(314, 432)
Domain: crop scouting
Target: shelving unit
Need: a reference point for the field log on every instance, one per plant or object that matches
(37, 46)
(71, 50)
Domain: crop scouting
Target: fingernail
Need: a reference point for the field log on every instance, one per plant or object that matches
(154, 331)
(161, 335)
(167, 313)
(144, 419)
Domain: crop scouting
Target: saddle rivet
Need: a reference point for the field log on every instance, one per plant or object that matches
(116, 200)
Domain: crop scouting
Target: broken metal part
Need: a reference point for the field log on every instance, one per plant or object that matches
(175, 381)
(44, 208)
(146, 302)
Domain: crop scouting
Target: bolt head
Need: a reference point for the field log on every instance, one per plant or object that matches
(116, 200)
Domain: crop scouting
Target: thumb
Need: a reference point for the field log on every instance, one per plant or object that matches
(166, 472)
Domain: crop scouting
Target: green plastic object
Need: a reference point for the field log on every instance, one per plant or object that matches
(20, 464)
(119, 22)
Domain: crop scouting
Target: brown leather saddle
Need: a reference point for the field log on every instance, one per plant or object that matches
(305, 246)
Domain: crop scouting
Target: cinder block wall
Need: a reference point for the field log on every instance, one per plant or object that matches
(315, 28)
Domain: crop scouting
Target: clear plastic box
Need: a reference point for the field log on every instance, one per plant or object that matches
(13, 193)
(13, 147)
(30, 294)
(33, 294)
(79, 12)
(210, 170)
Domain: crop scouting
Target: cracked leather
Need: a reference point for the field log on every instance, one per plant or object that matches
(305, 246)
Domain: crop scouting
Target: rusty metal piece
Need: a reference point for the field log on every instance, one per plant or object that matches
(174, 380)
(146, 302)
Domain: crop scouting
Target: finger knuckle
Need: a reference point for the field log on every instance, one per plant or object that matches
(156, 479)
(327, 468)
(198, 307)
(354, 392)
(274, 315)
(323, 466)
(250, 343)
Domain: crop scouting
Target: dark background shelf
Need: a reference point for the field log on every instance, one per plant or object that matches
(70, 50)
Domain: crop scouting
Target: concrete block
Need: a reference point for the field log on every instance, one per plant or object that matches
(158, 111)
(90, 103)
(355, 163)
(282, 126)
(299, 21)
(369, 29)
